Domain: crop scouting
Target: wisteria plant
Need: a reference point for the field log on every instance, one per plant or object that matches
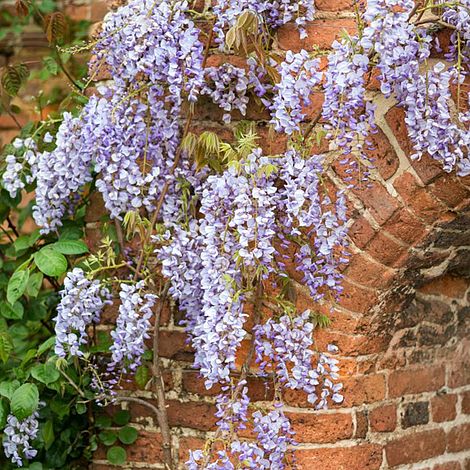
(219, 228)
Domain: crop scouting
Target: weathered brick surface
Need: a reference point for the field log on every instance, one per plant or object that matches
(415, 447)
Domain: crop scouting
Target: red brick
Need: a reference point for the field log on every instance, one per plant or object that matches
(363, 389)
(344, 322)
(447, 285)
(415, 447)
(321, 427)
(449, 190)
(458, 438)
(459, 367)
(383, 154)
(349, 345)
(98, 10)
(383, 418)
(447, 466)
(147, 448)
(362, 425)
(387, 251)
(361, 232)
(173, 345)
(443, 408)
(405, 226)
(411, 381)
(356, 457)
(196, 415)
(396, 120)
(466, 403)
(258, 388)
(333, 5)
(416, 197)
(428, 169)
(369, 273)
(357, 298)
(379, 202)
(321, 33)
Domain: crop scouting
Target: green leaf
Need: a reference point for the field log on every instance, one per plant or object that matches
(6, 347)
(31, 353)
(8, 388)
(51, 65)
(17, 285)
(70, 247)
(108, 438)
(34, 237)
(34, 284)
(45, 373)
(48, 434)
(46, 345)
(142, 376)
(122, 417)
(116, 455)
(128, 435)
(12, 312)
(36, 466)
(3, 412)
(103, 421)
(81, 408)
(25, 401)
(21, 243)
(50, 262)
(60, 408)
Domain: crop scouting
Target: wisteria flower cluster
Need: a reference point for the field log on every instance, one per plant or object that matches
(227, 87)
(18, 438)
(81, 304)
(287, 344)
(132, 328)
(299, 76)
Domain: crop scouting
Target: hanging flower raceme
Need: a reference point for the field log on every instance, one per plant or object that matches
(227, 87)
(17, 174)
(286, 346)
(299, 76)
(62, 173)
(132, 328)
(81, 304)
(18, 437)
(135, 150)
(152, 42)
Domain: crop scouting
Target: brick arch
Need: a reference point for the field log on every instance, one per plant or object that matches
(402, 322)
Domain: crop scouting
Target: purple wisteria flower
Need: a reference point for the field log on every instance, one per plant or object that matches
(18, 437)
(273, 13)
(132, 328)
(286, 346)
(299, 76)
(227, 86)
(155, 40)
(81, 304)
(62, 173)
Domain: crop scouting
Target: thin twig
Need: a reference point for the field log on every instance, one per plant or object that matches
(139, 401)
(120, 236)
(13, 227)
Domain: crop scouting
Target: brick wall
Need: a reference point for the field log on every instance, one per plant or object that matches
(400, 324)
